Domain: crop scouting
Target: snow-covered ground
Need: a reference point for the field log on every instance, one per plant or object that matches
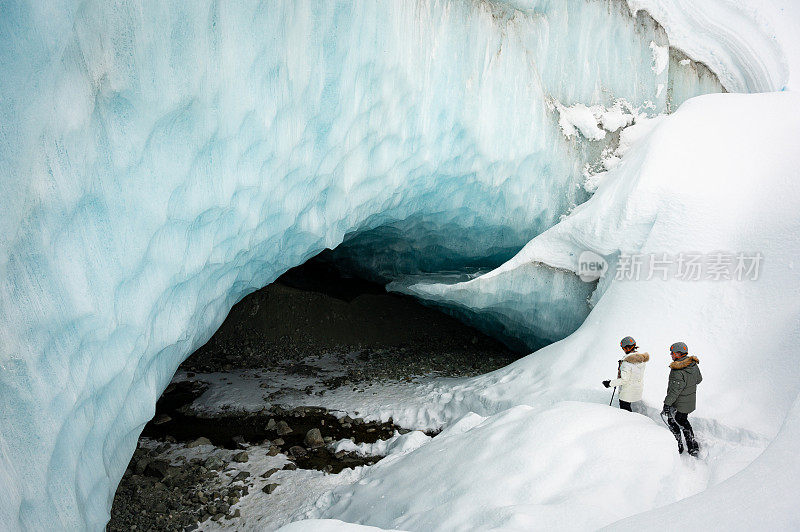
(409, 403)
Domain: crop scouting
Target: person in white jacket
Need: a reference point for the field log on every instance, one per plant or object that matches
(630, 375)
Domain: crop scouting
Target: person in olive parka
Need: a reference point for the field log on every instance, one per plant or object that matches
(684, 376)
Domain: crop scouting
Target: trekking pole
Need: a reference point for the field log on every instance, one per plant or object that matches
(619, 369)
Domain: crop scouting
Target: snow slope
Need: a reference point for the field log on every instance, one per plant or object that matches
(764, 495)
(719, 174)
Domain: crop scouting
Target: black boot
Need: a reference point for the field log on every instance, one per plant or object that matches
(688, 433)
(691, 443)
(680, 447)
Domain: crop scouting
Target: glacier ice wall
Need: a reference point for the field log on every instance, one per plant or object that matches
(160, 160)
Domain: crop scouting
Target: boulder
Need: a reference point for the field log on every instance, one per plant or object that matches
(199, 441)
(314, 439)
(297, 451)
(161, 419)
(214, 463)
(241, 457)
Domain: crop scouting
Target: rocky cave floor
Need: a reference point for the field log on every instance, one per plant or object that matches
(244, 437)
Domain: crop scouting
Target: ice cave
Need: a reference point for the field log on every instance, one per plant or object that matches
(162, 161)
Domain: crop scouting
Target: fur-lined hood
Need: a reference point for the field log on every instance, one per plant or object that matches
(637, 358)
(684, 362)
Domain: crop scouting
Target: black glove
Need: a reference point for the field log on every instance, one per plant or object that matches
(667, 411)
(606, 383)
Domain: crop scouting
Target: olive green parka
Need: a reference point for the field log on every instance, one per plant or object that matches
(683, 380)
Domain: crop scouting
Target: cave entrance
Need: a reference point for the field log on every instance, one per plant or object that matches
(290, 387)
(319, 308)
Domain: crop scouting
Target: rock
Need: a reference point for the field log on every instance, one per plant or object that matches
(214, 463)
(283, 428)
(278, 442)
(297, 451)
(161, 448)
(271, 424)
(241, 457)
(240, 441)
(141, 465)
(161, 419)
(157, 468)
(328, 439)
(236, 513)
(199, 441)
(314, 439)
(273, 451)
(242, 475)
(160, 508)
(269, 488)
(291, 466)
(270, 472)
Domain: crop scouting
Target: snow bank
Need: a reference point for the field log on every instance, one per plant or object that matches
(398, 443)
(762, 497)
(525, 468)
(326, 525)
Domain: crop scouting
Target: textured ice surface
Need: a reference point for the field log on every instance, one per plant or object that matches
(540, 305)
(160, 161)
